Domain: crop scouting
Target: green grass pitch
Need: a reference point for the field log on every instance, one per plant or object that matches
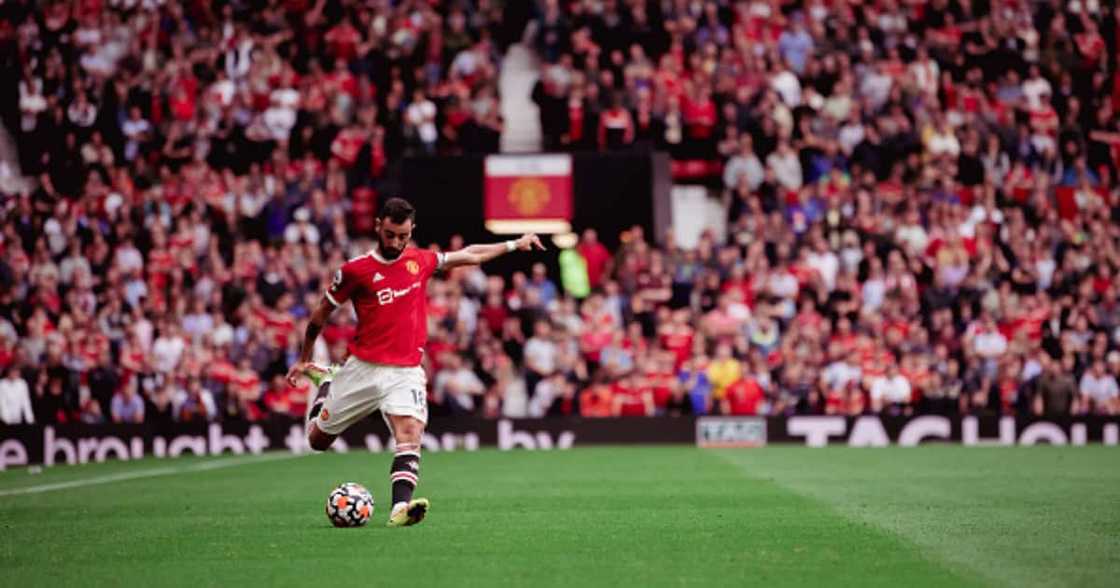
(678, 516)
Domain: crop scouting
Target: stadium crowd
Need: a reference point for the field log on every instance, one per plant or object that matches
(923, 213)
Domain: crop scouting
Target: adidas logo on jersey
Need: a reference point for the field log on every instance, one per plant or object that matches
(377, 277)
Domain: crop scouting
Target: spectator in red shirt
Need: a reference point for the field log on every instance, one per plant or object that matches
(597, 401)
(596, 255)
(280, 398)
(343, 40)
(700, 121)
(616, 126)
(742, 397)
(632, 399)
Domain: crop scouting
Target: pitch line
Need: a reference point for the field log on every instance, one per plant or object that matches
(149, 473)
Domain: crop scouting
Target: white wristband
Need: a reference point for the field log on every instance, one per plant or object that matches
(510, 246)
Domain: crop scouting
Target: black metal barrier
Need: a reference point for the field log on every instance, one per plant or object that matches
(74, 444)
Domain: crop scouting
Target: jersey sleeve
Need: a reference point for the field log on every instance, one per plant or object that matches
(342, 286)
(431, 261)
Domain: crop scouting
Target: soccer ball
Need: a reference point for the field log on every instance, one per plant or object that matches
(350, 505)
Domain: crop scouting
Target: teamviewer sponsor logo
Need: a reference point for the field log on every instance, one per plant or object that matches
(388, 295)
(730, 432)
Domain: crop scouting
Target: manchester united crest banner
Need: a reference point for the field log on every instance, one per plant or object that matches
(528, 193)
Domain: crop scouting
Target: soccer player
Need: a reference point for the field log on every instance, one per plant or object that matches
(388, 288)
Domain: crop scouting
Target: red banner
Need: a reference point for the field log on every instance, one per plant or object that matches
(528, 193)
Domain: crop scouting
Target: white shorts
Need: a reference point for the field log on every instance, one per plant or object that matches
(360, 387)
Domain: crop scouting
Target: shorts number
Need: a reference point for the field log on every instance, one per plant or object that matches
(420, 398)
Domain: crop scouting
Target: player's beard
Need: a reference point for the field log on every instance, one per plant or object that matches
(387, 252)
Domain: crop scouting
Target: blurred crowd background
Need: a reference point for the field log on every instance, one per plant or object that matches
(921, 201)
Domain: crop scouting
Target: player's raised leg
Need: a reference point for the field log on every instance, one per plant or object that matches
(320, 378)
(404, 474)
(317, 439)
(346, 395)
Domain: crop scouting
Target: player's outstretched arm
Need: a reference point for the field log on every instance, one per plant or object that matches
(476, 254)
(315, 326)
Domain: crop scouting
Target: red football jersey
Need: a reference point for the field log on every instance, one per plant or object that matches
(391, 301)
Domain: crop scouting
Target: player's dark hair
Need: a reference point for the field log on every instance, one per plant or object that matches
(397, 210)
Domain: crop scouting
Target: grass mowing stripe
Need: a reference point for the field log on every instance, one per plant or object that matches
(1040, 516)
(893, 561)
(149, 473)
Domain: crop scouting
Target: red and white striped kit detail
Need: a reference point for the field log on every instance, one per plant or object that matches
(406, 457)
(407, 449)
(405, 477)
